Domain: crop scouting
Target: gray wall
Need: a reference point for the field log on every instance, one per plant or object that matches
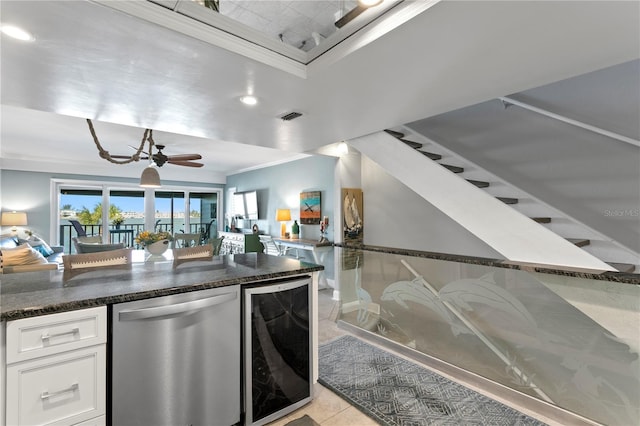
(27, 192)
(280, 187)
(591, 178)
(30, 192)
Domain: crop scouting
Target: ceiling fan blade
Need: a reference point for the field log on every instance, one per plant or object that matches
(122, 157)
(135, 148)
(185, 163)
(184, 157)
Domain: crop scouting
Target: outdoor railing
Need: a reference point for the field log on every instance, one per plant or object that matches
(565, 340)
(125, 233)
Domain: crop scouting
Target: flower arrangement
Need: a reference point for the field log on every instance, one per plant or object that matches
(147, 237)
(118, 220)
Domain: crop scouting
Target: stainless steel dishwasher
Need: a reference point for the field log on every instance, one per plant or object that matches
(176, 360)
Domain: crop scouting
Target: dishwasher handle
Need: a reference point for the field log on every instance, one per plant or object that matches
(175, 309)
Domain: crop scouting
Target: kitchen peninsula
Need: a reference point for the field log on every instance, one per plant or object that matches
(44, 303)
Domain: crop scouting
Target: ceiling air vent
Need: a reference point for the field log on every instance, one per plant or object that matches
(291, 116)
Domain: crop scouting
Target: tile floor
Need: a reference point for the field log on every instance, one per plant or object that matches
(327, 408)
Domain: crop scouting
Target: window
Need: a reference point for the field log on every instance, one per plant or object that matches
(169, 212)
(203, 213)
(94, 204)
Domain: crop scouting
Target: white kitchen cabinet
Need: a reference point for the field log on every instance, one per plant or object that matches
(36, 337)
(97, 421)
(2, 374)
(56, 369)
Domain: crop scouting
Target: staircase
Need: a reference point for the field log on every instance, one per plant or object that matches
(483, 180)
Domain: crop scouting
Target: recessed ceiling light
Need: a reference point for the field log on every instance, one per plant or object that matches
(249, 100)
(17, 33)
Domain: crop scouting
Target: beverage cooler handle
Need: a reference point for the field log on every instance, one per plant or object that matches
(176, 309)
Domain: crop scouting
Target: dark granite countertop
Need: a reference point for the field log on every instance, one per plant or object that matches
(619, 277)
(30, 294)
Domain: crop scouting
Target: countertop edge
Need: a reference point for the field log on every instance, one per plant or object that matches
(618, 277)
(53, 308)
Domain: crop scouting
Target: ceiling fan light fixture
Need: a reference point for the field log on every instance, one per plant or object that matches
(150, 178)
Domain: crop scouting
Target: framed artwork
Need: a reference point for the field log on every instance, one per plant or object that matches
(352, 213)
(310, 208)
(352, 225)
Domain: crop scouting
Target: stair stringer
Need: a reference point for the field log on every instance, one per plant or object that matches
(506, 230)
(601, 246)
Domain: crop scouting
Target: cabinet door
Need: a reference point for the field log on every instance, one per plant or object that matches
(2, 373)
(98, 421)
(58, 390)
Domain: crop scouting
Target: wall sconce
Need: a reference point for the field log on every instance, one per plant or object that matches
(283, 215)
(14, 219)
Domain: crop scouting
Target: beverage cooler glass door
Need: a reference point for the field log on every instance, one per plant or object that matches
(277, 349)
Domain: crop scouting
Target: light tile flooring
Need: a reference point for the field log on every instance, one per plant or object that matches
(327, 408)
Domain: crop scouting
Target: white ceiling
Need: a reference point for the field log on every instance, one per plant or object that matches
(127, 74)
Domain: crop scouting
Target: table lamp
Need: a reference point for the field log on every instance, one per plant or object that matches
(14, 219)
(283, 215)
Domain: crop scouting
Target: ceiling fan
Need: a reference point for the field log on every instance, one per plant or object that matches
(159, 158)
(180, 160)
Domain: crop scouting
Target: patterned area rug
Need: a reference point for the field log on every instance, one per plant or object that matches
(394, 391)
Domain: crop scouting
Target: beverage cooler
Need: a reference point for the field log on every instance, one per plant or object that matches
(277, 349)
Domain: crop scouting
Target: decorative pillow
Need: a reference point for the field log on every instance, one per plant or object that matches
(8, 241)
(43, 249)
(22, 255)
(39, 245)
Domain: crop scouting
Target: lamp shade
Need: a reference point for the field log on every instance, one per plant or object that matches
(14, 218)
(150, 178)
(283, 215)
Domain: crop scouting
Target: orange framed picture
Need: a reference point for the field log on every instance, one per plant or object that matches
(310, 208)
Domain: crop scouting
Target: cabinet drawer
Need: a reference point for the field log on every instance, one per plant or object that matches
(51, 334)
(63, 389)
(98, 421)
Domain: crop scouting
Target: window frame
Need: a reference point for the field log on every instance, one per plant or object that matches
(107, 186)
